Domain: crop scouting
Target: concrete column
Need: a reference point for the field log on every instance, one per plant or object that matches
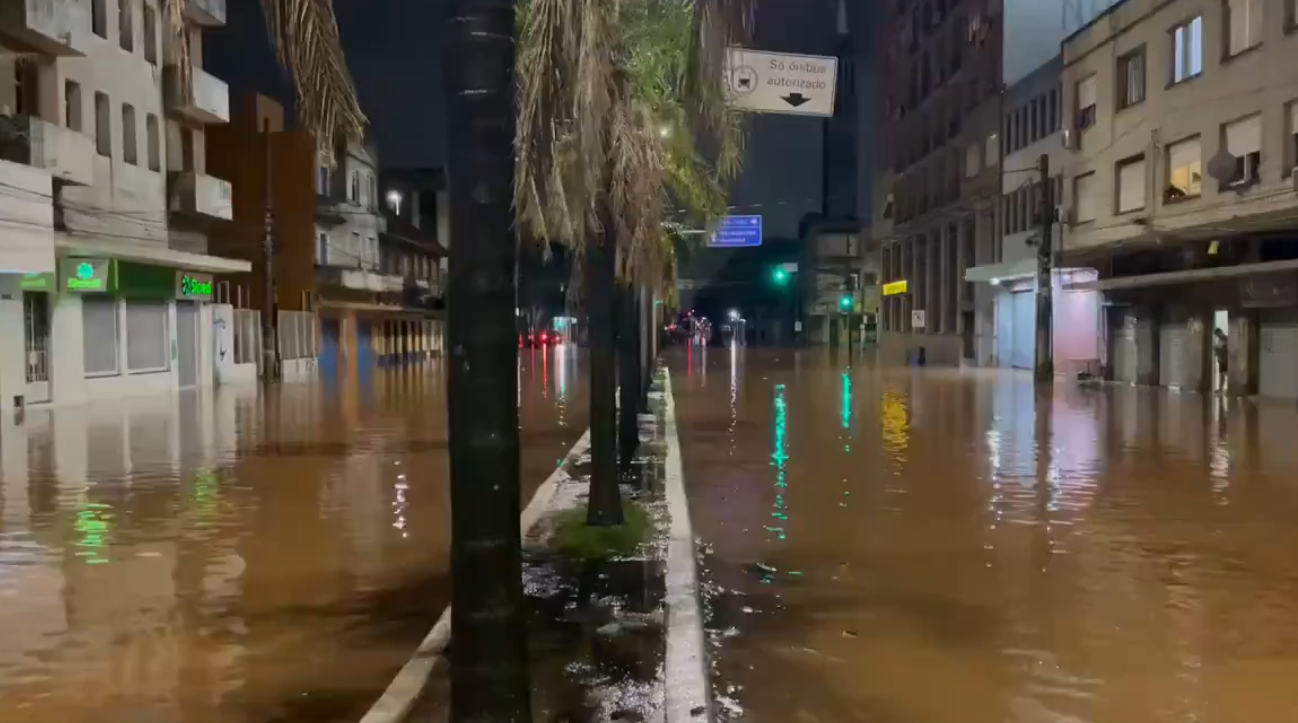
(1198, 353)
(1148, 319)
(915, 285)
(1242, 354)
(946, 242)
(933, 283)
(962, 262)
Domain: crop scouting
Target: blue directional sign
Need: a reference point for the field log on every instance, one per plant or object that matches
(737, 232)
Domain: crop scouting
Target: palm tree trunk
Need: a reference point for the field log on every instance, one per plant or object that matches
(489, 672)
(605, 505)
(628, 335)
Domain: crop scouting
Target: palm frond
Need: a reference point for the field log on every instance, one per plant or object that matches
(304, 34)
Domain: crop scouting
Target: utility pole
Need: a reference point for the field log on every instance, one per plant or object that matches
(1045, 363)
(269, 349)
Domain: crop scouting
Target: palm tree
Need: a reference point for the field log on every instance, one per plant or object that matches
(489, 674)
(617, 102)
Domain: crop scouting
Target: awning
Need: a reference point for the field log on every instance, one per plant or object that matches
(1186, 277)
(152, 254)
(1001, 272)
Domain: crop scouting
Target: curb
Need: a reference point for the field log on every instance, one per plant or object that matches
(688, 697)
(405, 688)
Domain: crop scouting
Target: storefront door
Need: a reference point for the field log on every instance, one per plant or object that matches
(36, 339)
(187, 343)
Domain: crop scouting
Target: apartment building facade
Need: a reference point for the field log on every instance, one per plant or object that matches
(938, 188)
(1180, 188)
(111, 306)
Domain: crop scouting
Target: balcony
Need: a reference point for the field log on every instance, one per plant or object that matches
(200, 195)
(52, 27)
(207, 100)
(205, 12)
(66, 154)
(360, 279)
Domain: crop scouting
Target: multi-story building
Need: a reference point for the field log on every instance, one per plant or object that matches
(350, 291)
(1182, 129)
(938, 188)
(124, 310)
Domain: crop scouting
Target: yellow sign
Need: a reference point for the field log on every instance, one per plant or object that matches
(894, 288)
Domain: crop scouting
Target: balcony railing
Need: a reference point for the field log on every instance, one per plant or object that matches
(53, 27)
(66, 154)
(206, 100)
(201, 195)
(205, 12)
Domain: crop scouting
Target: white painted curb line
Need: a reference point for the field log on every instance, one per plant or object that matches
(687, 662)
(404, 690)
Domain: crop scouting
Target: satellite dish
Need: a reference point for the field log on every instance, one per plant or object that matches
(1221, 167)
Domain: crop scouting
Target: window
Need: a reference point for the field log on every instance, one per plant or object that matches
(354, 190)
(1053, 110)
(99, 17)
(1187, 50)
(1243, 140)
(130, 140)
(150, 33)
(154, 139)
(1084, 198)
(322, 180)
(355, 251)
(322, 249)
(148, 336)
(1243, 19)
(125, 25)
(72, 105)
(103, 126)
(1086, 98)
(1291, 15)
(1131, 184)
(1293, 137)
(1034, 121)
(1184, 170)
(99, 334)
(1131, 78)
(972, 163)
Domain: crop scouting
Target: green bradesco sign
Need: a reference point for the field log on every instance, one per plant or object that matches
(87, 276)
(193, 286)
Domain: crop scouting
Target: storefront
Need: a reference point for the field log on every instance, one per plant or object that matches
(118, 328)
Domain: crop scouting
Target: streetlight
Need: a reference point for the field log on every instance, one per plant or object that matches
(394, 200)
(734, 314)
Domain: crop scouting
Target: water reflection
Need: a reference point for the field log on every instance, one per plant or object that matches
(1079, 556)
(232, 559)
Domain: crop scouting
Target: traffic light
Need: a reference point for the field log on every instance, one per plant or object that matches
(780, 276)
(845, 302)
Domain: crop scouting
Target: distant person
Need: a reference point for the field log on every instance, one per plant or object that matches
(1221, 350)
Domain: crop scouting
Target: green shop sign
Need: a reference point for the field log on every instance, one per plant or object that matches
(86, 275)
(37, 282)
(193, 286)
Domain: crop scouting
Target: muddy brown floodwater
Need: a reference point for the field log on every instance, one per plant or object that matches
(217, 560)
(937, 546)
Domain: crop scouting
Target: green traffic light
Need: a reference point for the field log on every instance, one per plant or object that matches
(780, 276)
(845, 302)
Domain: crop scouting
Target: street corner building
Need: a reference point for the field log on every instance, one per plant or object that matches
(106, 281)
(358, 256)
(1179, 187)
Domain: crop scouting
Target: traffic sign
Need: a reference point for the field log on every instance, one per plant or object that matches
(781, 83)
(737, 232)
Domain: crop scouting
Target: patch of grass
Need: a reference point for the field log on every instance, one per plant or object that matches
(574, 538)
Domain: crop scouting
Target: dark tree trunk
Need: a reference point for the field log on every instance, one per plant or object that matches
(629, 374)
(605, 505)
(488, 652)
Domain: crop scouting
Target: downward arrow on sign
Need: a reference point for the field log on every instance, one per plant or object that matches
(796, 99)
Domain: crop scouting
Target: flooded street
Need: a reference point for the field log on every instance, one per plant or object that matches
(938, 546)
(226, 560)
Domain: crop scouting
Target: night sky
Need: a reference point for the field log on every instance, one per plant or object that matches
(393, 50)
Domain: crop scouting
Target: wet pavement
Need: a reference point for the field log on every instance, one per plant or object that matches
(221, 560)
(938, 546)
